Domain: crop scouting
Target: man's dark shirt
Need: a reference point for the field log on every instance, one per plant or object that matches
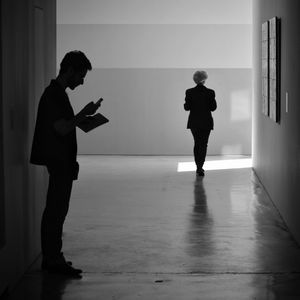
(48, 147)
(200, 101)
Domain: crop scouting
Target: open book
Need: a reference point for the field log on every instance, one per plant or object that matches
(91, 122)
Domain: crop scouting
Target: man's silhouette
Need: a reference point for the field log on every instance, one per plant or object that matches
(55, 146)
(200, 101)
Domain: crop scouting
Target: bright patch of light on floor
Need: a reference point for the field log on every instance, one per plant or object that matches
(223, 164)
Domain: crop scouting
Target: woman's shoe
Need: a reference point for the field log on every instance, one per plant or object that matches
(200, 172)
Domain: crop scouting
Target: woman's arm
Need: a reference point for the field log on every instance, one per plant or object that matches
(187, 102)
(213, 102)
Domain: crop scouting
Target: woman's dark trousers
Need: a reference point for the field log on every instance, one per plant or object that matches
(201, 137)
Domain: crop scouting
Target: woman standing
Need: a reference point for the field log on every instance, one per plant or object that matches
(200, 101)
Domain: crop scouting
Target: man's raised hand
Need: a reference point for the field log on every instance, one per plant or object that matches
(90, 108)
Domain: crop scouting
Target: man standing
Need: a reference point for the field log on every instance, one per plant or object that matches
(55, 146)
(200, 101)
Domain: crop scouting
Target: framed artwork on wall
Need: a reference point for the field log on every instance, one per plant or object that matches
(265, 67)
(274, 68)
(271, 69)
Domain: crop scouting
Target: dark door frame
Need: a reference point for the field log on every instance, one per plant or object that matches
(2, 200)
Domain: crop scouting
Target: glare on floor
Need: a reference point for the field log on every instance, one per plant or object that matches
(222, 164)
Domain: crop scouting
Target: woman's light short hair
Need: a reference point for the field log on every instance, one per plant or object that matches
(200, 77)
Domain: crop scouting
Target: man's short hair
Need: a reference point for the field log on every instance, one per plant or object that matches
(76, 60)
(200, 77)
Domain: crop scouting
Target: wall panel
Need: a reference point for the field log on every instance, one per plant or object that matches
(276, 146)
(27, 29)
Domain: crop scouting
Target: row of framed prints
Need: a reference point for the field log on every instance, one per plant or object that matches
(271, 69)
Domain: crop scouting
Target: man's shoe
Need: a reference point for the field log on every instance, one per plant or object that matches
(59, 265)
(63, 269)
(44, 264)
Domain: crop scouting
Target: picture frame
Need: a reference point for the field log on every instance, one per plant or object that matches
(274, 73)
(265, 68)
(270, 60)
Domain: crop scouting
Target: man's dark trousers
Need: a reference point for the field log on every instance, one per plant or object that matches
(57, 205)
(201, 137)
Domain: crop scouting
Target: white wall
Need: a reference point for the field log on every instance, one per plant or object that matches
(159, 46)
(144, 54)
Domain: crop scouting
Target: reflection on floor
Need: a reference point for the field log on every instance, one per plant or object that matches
(141, 230)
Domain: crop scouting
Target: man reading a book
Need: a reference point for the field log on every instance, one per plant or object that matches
(55, 146)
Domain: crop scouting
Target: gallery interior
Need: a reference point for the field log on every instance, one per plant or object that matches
(141, 224)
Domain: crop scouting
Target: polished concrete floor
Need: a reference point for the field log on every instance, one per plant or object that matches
(140, 229)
